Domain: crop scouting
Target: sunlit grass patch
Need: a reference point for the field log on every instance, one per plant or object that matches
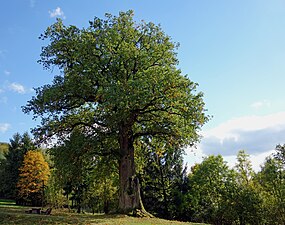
(12, 214)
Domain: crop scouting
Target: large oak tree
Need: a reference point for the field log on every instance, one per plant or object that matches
(119, 82)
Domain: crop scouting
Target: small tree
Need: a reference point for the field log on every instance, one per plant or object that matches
(247, 201)
(33, 177)
(209, 186)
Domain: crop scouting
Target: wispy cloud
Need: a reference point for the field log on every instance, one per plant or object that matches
(19, 88)
(7, 73)
(57, 13)
(4, 127)
(261, 104)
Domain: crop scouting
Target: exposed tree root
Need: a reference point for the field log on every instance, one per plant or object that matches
(142, 213)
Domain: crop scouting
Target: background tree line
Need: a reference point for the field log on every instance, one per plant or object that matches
(210, 192)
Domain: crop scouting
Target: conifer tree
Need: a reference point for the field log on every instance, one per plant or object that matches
(18, 147)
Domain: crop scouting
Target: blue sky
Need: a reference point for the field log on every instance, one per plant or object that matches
(235, 50)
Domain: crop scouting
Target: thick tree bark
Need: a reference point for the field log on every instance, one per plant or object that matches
(129, 189)
(129, 197)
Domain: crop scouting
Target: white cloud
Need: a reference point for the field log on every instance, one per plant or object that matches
(4, 127)
(57, 13)
(257, 135)
(261, 104)
(19, 88)
(247, 123)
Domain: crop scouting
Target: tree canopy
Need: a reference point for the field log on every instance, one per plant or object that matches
(119, 82)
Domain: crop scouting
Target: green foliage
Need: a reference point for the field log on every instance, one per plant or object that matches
(2, 175)
(162, 177)
(102, 192)
(244, 168)
(247, 199)
(280, 154)
(85, 177)
(209, 183)
(272, 180)
(220, 195)
(18, 147)
(4, 147)
(54, 193)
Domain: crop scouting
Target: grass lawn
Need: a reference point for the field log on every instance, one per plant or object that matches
(12, 214)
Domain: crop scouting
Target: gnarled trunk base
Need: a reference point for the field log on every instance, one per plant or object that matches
(129, 197)
(142, 213)
(130, 201)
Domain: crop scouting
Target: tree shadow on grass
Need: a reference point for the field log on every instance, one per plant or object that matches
(7, 202)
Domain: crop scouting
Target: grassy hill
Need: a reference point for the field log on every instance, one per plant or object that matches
(12, 214)
(4, 147)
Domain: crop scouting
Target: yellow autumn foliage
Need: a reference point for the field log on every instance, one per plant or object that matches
(34, 173)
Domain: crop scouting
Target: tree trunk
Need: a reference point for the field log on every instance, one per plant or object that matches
(129, 198)
(129, 195)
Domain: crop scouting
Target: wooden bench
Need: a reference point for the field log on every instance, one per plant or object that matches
(46, 212)
(34, 211)
(39, 211)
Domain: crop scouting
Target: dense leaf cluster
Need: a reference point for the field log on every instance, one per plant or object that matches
(115, 74)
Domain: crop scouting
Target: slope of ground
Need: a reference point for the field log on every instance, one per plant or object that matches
(12, 214)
